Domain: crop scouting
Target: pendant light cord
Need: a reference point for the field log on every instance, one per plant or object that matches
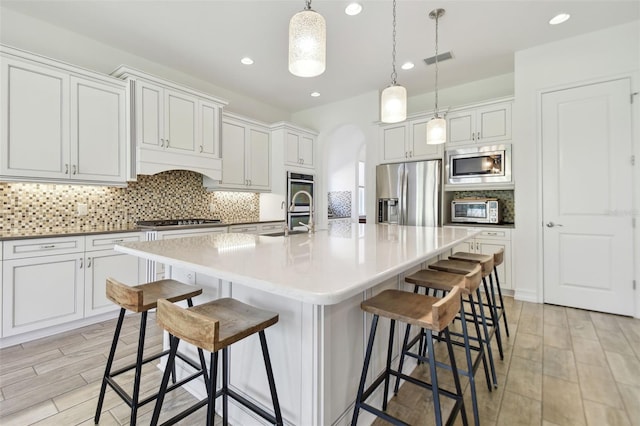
(394, 74)
(308, 5)
(437, 16)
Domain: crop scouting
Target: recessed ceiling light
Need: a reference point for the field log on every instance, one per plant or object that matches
(315, 94)
(353, 9)
(247, 60)
(407, 65)
(559, 18)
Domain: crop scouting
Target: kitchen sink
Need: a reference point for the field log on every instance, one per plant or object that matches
(281, 233)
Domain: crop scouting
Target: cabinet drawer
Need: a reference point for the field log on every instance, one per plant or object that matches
(244, 228)
(107, 241)
(495, 233)
(270, 227)
(42, 247)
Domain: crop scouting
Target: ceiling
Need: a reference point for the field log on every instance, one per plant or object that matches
(207, 39)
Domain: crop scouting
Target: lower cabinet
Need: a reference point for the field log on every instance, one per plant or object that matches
(52, 281)
(488, 242)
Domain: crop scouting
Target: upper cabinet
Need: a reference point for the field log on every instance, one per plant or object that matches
(173, 127)
(60, 123)
(407, 141)
(298, 144)
(480, 124)
(246, 151)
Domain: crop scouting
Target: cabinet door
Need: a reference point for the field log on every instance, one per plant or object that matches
(149, 115)
(418, 136)
(35, 121)
(180, 121)
(97, 131)
(394, 145)
(259, 159)
(493, 123)
(233, 154)
(466, 247)
(209, 128)
(305, 149)
(461, 126)
(102, 264)
(291, 149)
(491, 247)
(41, 291)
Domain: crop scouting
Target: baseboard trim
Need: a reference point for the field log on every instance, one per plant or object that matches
(526, 296)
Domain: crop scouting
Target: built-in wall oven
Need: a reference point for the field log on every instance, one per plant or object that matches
(301, 211)
(486, 164)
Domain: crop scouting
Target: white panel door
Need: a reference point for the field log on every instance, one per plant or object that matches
(149, 115)
(233, 154)
(259, 159)
(180, 121)
(587, 187)
(394, 142)
(493, 123)
(291, 149)
(35, 121)
(306, 150)
(209, 136)
(461, 126)
(97, 131)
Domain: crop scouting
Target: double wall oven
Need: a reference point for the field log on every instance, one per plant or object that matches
(301, 211)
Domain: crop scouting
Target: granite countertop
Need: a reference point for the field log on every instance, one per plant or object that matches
(326, 267)
(17, 234)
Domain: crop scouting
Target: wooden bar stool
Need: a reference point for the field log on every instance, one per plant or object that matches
(462, 268)
(213, 326)
(446, 282)
(430, 313)
(141, 299)
(497, 305)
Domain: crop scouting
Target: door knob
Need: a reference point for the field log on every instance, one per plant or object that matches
(551, 224)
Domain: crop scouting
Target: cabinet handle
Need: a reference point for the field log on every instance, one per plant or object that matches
(74, 169)
(167, 143)
(249, 182)
(66, 169)
(491, 233)
(410, 154)
(88, 262)
(477, 246)
(201, 148)
(161, 143)
(118, 241)
(478, 135)
(48, 246)
(81, 263)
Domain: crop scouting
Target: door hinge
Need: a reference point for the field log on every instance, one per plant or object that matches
(632, 95)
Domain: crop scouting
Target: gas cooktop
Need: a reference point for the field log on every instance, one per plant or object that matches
(176, 223)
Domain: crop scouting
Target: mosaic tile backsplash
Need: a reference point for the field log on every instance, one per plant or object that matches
(172, 194)
(505, 197)
(340, 203)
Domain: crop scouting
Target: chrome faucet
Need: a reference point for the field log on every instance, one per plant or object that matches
(310, 226)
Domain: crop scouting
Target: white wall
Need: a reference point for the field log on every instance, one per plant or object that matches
(36, 36)
(595, 56)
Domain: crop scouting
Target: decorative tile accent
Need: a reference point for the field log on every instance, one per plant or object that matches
(506, 199)
(340, 203)
(173, 194)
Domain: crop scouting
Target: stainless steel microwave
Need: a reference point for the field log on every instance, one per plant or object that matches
(476, 210)
(485, 164)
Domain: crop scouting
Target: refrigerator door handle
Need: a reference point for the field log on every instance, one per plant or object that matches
(404, 214)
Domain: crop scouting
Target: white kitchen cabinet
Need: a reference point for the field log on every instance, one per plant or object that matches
(407, 141)
(102, 262)
(480, 124)
(246, 155)
(60, 123)
(248, 228)
(488, 242)
(174, 127)
(297, 145)
(271, 227)
(42, 283)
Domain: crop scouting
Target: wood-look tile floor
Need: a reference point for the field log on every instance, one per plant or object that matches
(561, 366)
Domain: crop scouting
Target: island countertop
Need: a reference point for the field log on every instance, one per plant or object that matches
(323, 268)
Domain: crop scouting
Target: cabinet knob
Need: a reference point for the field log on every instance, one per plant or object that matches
(74, 169)
(66, 169)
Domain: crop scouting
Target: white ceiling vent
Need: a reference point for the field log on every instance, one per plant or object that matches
(441, 58)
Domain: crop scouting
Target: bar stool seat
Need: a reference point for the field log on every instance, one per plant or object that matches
(141, 299)
(214, 326)
(430, 313)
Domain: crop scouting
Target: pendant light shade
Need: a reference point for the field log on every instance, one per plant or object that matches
(437, 126)
(393, 104)
(393, 100)
(436, 131)
(307, 43)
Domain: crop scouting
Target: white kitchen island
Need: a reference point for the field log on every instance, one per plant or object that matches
(316, 283)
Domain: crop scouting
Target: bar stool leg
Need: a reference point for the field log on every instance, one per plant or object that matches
(434, 378)
(365, 368)
(467, 350)
(456, 377)
(211, 389)
(487, 340)
(476, 323)
(504, 313)
(495, 319)
(225, 386)
(138, 372)
(272, 383)
(107, 370)
(173, 349)
(404, 350)
(392, 328)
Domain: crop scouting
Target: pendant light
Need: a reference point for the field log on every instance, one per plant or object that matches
(437, 126)
(393, 100)
(307, 43)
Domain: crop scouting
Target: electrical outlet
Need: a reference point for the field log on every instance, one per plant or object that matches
(82, 209)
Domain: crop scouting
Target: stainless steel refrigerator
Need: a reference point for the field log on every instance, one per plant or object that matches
(409, 193)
